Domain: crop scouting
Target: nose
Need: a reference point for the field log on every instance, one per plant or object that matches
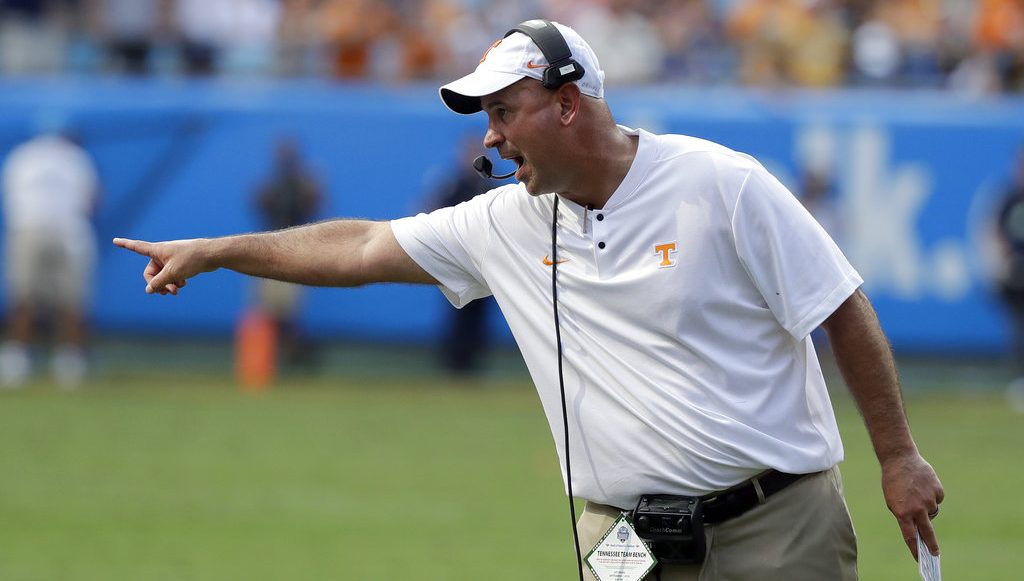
(492, 138)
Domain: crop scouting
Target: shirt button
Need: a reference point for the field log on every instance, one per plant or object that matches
(600, 217)
(601, 245)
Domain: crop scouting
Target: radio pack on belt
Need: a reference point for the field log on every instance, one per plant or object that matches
(673, 526)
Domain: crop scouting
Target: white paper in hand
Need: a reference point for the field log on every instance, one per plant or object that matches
(927, 563)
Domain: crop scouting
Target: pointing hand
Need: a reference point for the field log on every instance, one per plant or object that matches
(171, 264)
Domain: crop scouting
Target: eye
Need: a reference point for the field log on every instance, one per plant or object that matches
(501, 113)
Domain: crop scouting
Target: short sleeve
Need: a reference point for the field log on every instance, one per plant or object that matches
(797, 267)
(449, 243)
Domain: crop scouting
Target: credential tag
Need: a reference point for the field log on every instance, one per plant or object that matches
(621, 555)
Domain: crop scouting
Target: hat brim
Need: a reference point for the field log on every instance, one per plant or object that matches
(463, 95)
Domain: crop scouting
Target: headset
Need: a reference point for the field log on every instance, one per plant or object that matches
(562, 69)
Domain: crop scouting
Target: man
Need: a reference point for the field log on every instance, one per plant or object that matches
(1010, 235)
(50, 188)
(688, 280)
(290, 197)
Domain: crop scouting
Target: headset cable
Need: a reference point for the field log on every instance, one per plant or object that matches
(561, 384)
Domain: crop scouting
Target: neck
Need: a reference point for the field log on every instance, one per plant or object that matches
(607, 156)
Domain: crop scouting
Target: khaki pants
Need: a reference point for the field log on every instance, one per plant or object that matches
(802, 533)
(50, 268)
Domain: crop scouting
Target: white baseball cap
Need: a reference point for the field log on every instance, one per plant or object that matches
(517, 56)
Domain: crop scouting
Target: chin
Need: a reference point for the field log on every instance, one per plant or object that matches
(533, 187)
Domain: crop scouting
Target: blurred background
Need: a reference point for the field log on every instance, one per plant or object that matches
(128, 449)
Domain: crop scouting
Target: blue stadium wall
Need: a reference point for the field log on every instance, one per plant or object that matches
(916, 176)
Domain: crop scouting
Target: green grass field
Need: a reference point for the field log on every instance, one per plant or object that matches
(143, 476)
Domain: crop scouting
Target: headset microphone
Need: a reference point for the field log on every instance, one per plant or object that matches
(485, 168)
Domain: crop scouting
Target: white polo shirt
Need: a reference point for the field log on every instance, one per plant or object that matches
(49, 183)
(686, 305)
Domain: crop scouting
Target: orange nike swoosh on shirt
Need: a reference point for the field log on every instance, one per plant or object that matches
(530, 65)
(549, 262)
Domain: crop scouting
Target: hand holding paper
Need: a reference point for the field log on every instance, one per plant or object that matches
(927, 563)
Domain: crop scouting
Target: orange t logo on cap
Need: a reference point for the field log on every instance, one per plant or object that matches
(493, 46)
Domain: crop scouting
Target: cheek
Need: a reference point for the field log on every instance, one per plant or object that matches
(537, 145)
(536, 137)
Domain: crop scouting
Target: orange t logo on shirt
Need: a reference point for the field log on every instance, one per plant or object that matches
(666, 250)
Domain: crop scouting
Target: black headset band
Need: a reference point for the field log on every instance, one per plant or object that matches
(547, 38)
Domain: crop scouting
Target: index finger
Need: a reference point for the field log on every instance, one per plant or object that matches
(927, 532)
(139, 246)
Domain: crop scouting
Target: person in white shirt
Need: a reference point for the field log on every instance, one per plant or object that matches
(688, 280)
(50, 188)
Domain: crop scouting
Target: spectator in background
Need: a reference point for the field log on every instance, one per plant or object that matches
(201, 25)
(1010, 235)
(693, 43)
(757, 29)
(627, 40)
(875, 54)
(463, 27)
(816, 55)
(350, 30)
(999, 39)
(465, 335)
(249, 43)
(50, 188)
(298, 39)
(128, 31)
(789, 42)
(462, 36)
(423, 37)
(958, 57)
(290, 197)
(916, 26)
(33, 35)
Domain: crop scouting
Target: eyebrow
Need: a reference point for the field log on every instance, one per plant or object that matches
(493, 104)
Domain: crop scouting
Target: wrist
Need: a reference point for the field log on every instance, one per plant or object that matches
(212, 253)
(898, 456)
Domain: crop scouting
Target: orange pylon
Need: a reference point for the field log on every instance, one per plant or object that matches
(256, 351)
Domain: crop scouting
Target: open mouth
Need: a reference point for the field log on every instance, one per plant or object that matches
(518, 159)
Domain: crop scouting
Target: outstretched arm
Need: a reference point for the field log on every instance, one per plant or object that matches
(332, 253)
(911, 488)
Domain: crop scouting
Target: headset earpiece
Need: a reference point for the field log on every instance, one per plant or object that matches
(554, 78)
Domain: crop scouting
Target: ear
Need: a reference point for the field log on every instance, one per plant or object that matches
(569, 98)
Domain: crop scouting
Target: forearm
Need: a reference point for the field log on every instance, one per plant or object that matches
(335, 253)
(866, 362)
(323, 254)
(911, 488)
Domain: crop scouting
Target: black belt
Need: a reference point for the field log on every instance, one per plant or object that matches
(727, 504)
